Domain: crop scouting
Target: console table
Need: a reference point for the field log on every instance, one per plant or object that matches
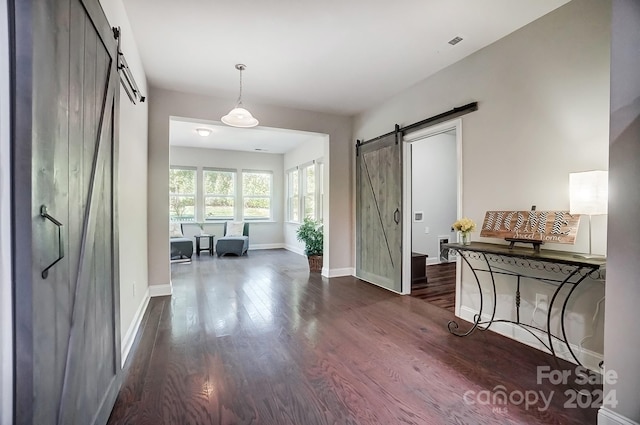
(493, 259)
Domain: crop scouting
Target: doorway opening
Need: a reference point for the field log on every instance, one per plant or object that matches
(270, 179)
(433, 199)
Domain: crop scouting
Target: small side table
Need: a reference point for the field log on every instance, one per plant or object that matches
(418, 268)
(209, 248)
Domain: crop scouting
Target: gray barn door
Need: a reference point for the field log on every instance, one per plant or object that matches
(378, 213)
(67, 329)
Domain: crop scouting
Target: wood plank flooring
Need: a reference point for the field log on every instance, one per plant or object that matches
(440, 289)
(257, 340)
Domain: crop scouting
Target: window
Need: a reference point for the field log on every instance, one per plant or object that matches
(309, 191)
(293, 195)
(219, 194)
(256, 195)
(182, 194)
(320, 186)
(305, 192)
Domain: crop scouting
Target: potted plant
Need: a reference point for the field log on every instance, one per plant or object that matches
(310, 233)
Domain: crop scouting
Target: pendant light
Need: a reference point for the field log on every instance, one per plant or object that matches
(240, 117)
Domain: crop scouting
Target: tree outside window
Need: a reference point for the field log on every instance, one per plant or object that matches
(219, 194)
(256, 195)
(182, 194)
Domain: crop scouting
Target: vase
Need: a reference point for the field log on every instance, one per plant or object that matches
(466, 238)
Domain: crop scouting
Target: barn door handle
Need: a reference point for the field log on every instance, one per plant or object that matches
(396, 216)
(45, 214)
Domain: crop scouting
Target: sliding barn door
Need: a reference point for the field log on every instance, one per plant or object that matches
(68, 341)
(378, 212)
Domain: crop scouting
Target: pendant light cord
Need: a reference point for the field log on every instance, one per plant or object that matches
(239, 103)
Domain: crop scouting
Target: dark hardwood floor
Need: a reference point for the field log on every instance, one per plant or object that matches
(257, 340)
(440, 289)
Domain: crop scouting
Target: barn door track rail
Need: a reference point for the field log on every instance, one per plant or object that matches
(436, 119)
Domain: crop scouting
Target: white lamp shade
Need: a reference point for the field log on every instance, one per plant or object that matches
(588, 192)
(240, 117)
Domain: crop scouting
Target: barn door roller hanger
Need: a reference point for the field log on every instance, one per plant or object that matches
(126, 77)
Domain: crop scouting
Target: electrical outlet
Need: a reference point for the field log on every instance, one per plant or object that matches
(426, 230)
(542, 302)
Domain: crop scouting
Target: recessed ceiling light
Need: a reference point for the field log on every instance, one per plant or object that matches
(455, 41)
(204, 132)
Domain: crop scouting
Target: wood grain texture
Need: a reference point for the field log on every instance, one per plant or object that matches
(72, 359)
(258, 340)
(545, 226)
(379, 198)
(440, 287)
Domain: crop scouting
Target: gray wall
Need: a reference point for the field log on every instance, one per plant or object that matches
(434, 190)
(622, 340)
(543, 94)
(6, 324)
(164, 104)
(132, 187)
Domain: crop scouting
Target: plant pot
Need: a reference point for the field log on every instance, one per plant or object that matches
(315, 263)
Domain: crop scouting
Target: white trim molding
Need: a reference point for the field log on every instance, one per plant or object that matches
(347, 271)
(160, 290)
(294, 249)
(609, 417)
(6, 296)
(130, 336)
(260, 246)
(407, 207)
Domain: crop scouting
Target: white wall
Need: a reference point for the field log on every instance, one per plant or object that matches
(543, 94)
(262, 234)
(309, 151)
(132, 188)
(622, 341)
(163, 104)
(434, 189)
(6, 317)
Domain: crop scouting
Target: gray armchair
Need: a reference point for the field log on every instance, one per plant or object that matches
(181, 247)
(237, 245)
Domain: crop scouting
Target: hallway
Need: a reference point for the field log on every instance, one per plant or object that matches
(257, 340)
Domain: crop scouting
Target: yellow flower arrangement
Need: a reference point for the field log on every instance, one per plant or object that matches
(464, 225)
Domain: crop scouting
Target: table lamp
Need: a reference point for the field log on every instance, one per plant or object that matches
(588, 195)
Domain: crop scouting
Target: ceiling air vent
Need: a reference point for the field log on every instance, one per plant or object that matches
(455, 41)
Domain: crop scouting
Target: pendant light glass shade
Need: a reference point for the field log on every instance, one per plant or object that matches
(238, 116)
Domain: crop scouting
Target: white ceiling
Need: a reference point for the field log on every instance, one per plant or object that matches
(340, 56)
(182, 132)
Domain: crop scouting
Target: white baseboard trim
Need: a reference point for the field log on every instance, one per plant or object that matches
(609, 417)
(130, 336)
(266, 246)
(590, 359)
(160, 290)
(294, 249)
(432, 261)
(347, 271)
